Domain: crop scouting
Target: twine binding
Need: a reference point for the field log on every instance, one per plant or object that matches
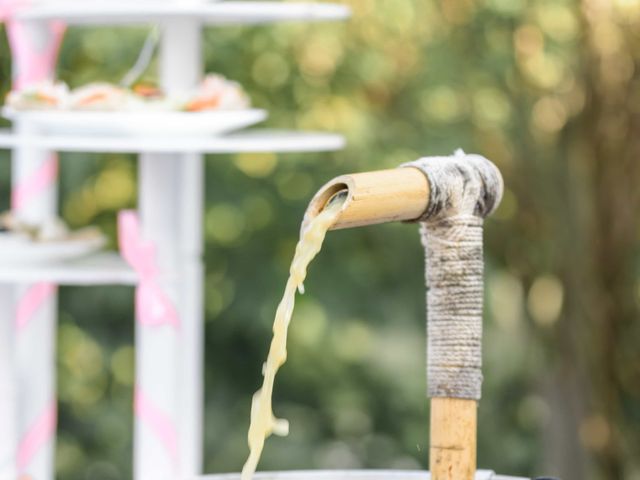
(463, 190)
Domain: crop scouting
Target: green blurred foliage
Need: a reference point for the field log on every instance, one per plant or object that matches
(516, 81)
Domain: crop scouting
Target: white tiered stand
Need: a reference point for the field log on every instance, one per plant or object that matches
(170, 204)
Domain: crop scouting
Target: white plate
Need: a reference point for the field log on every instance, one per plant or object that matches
(16, 250)
(136, 123)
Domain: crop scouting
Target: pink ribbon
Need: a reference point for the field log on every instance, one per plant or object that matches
(8, 8)
(39, 434)
(158, 421)
(31, 301)
(34, 50)
(44, 176)
(153, 307)
(33, 63)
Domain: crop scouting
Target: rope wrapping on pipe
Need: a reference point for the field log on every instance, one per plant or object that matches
(464, 189)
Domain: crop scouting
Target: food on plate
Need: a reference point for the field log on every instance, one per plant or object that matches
(149, 97)
(215, 92)
(52, 230)
(26, 243)
(98, 97)
(148, 91)
(39, 96)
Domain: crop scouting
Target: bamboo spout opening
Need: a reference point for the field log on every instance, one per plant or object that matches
(399, 194)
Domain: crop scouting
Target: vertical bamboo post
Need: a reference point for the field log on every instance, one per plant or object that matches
(464, 190)
(452, 442)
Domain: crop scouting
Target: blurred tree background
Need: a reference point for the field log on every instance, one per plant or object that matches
(549, 90)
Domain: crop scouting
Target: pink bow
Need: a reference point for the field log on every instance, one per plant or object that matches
(152, 305)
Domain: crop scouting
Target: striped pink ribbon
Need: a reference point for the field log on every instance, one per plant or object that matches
(45, 425)
(34, 58)
(32, 186)
(34, 50)
(8, 8)
(31, 301)
(158, 422)
(38, 435)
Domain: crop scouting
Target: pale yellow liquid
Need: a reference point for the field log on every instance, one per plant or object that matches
(263, 421)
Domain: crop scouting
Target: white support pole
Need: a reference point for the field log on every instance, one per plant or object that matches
(191, 390)
(34, 324)
(157, 453)
(180, 54)
(35, 353)
(169, 360)
(8, 438)
(36, 204)
(192, 309)
(32, 308)
(181, 69)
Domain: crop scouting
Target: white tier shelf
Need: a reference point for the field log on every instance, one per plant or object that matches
(248, 141)
(102, 12)
(98, 269)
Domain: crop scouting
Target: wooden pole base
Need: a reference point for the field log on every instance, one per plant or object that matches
(452, 451)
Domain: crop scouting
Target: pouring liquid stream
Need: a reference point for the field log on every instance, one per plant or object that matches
(263, 421)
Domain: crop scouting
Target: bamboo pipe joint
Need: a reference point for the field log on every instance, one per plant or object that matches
(461, 184)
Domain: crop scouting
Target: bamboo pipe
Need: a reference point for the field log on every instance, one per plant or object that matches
(402, 194)
(375, 197)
